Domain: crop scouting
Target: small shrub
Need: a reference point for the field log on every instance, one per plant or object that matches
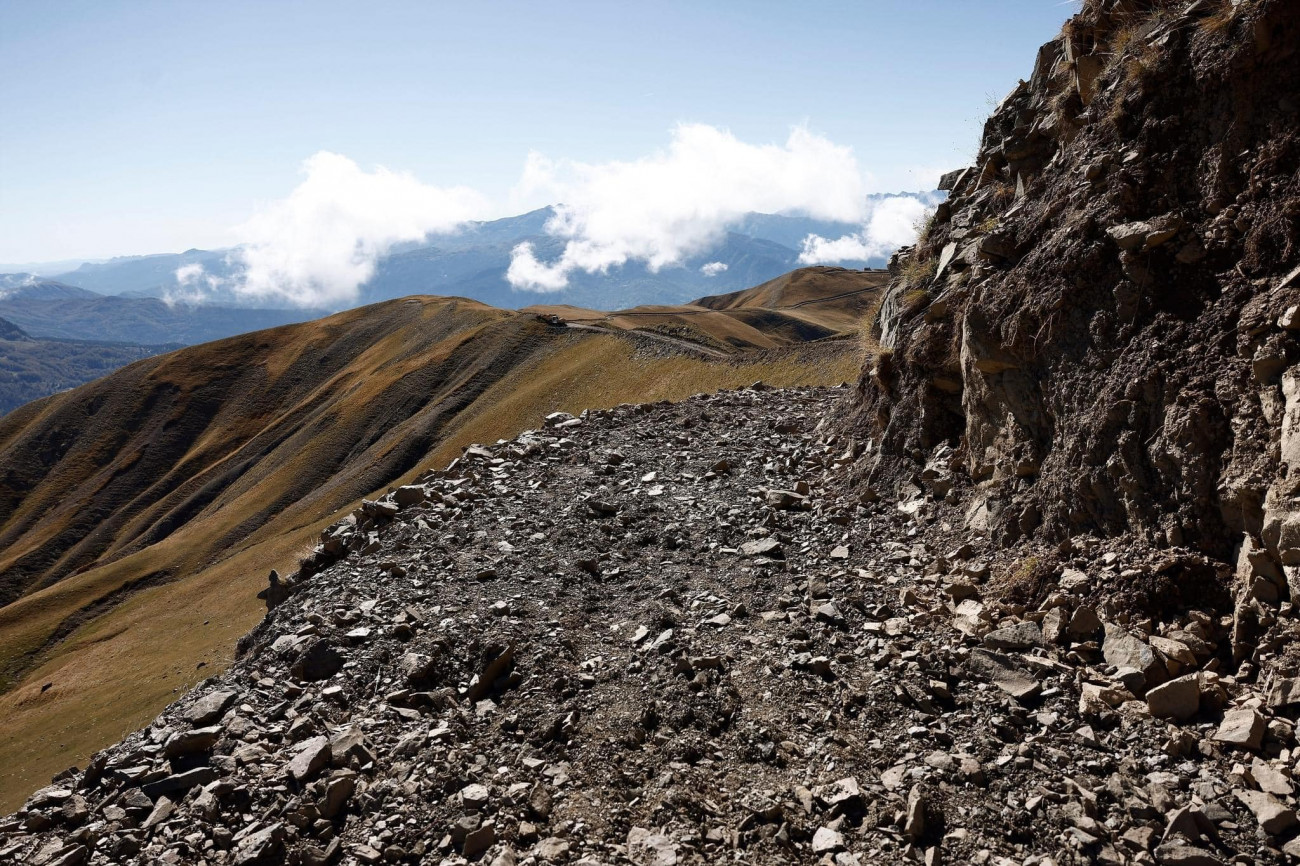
(924, 226)
(1220, 21)
(867, 329)
(917, 270)
(1062, 105)
(914, 301)
(882, 372)
(1121, 40)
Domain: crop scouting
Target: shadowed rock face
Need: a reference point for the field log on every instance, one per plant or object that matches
(1100, 323)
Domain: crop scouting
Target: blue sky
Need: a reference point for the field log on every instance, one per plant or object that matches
(135, 127)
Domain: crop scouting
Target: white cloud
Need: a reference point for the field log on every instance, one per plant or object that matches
(527, 270)
(890, 223)
(664, 208)
(190, 273)
(194, 285)
(319, 244)
(315, 247)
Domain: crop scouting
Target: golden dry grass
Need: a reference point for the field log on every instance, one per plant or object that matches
(805, 304)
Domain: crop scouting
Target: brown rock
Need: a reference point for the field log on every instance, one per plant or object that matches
(1273, 815)
(1177, 699)
(1243, 728)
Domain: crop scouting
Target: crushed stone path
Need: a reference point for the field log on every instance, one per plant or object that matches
(662, 634)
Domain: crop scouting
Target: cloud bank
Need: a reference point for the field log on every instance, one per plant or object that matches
(890, 223)
(194, 285)
(664, 208)
(316, 246)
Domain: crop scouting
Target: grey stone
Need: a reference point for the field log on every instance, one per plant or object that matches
(162, 810)
(1022, 635)
(337, 793)
(1084, 623)
(768, 547)
(477, 842)
(650, 849)
(191, 741)
(411, 494)
(319, 661)
(1179, 853)
(474, 796)
(828, 613)
(552, 850)
(914, 823)
(179, 783)
(350, 743)
(1123, 650)
(1285, 693)
(1003, 673)
(261, 847)
(210, 707)
(312, 757)
(826, 841)
(784, 500)
(1270, 779)
(1177, 699)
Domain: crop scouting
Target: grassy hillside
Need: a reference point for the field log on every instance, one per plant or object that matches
(140, 514)
(799, 307)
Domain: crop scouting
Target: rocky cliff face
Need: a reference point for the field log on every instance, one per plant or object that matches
(1098, 331)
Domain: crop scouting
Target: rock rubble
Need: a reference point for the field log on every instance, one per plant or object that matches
(666, 634)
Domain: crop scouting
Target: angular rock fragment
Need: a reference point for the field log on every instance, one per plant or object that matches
(312, 757)
(826, 841)
(191, 741)
(1123, 650)
(648, 848)
(319, 661)
(763, 547)
(210, 707)
(1273, 815)
(1243, 728)
(1020, 636)
(1004, 674)
(1177, 699)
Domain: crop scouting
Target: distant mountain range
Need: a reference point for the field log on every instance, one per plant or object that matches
(472, 262)
(131, 299)
(51, 309)
(29, 287)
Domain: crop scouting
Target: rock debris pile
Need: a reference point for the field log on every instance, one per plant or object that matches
(664, 634)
